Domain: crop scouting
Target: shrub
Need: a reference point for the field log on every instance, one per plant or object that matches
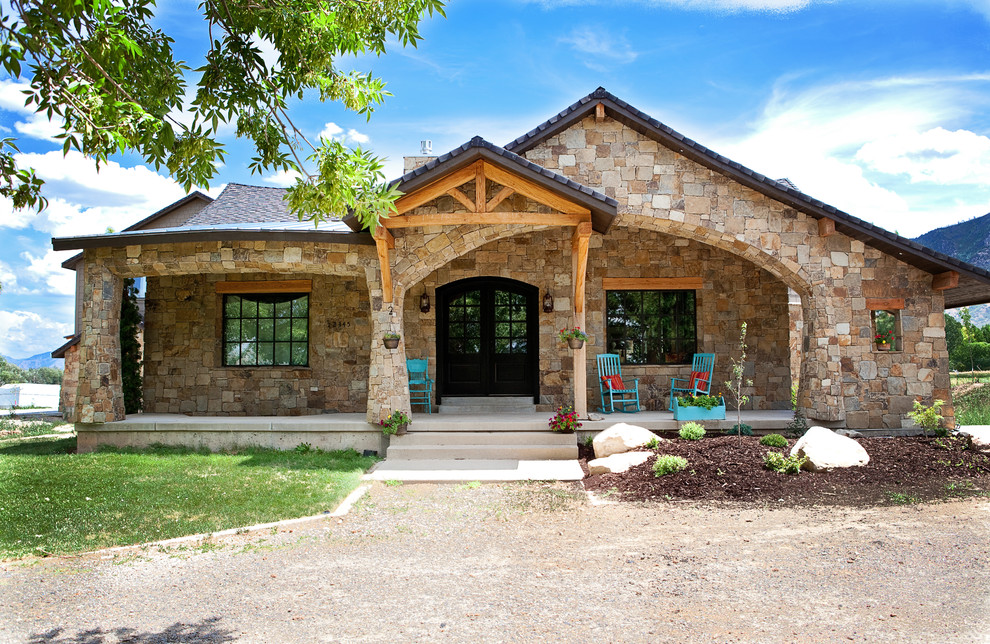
(653, 443)
(739, 429)
(692, 432)
(773, 440)
(784, 464)
(668, 464)
(708, 402)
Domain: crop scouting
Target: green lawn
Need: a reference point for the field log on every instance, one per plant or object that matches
(54, 501)
(29, 427)
(973, 408)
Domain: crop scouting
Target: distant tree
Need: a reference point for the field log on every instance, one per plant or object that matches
(130, 348)
(10, 373)
(45, 376)
(105, 71)
(955, 343)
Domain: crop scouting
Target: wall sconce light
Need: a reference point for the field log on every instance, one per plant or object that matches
(547, 302)
(424, 302)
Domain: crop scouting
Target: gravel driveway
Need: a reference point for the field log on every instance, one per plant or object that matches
(531, 562)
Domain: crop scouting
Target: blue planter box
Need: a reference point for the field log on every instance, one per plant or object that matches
(699, 413)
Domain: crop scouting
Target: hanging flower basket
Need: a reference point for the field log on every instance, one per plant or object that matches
(391, 340)
(574, 337)
(575, 343)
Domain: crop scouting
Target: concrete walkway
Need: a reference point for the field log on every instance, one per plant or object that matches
(445, 471)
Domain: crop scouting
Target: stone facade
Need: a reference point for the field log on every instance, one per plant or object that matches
(183, 366)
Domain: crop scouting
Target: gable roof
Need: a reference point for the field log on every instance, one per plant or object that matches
(974, 282)
(603, 209)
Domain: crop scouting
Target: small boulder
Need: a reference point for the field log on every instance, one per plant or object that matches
(620, 438)
(617, 463)
(827, 450)
(593, 416)
(979, 437)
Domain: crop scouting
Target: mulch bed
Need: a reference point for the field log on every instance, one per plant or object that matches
(727, 468)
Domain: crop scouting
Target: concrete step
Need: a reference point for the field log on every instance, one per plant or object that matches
(440, 471)
(473, 423)
(532, 446)
(487, 405)
(482, 438)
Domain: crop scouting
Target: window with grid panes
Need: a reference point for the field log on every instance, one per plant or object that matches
(266, 330)
(651, 327)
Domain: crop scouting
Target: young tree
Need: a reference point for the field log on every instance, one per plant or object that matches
(112, 79)
(736, 383)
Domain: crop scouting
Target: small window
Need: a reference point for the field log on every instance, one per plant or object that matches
(651, 327)
(886, 330)
(266, 330)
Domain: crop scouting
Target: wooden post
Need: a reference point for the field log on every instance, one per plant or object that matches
(384, 241)
(579, 268)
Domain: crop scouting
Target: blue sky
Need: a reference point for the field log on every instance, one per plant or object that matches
(880, 108)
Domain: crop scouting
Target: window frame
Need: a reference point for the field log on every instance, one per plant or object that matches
(259, 297)
(687, 354)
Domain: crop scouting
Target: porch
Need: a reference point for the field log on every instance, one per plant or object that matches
(340, 431)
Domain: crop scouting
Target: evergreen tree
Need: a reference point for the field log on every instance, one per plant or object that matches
(130, 348)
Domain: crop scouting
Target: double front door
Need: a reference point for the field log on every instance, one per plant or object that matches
(487, 338)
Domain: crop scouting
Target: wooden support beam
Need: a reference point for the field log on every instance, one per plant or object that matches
(826, 227)
(600, 112)
(270, 286)
(435, 189)
(480, 188)
(383, 242)
(885, 304)
(531, 190)
(460, 196)
(579, 251)
(652, 283)
(487, 218)
(944, 281)
(502, 195)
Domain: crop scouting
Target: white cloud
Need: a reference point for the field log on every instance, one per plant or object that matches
(599, 49)
(8, 281)
(721, 6)
(282, 178)
(855, 144)
(37, 125)
(12, 97)
(333, 131)
(936, 155)
(48, 269)
(24, 334)
(84, 201)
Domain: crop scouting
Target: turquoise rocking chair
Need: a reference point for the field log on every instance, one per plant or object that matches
(420, 384)
(700, 382)
(611, 385)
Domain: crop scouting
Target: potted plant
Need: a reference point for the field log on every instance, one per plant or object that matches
(564, 421)
(884, 340)
(574, 337)
(701, 407)
(391, 340)
(395, 425)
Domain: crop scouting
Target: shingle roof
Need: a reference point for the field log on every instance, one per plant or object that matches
(974, 280)
(244, 204)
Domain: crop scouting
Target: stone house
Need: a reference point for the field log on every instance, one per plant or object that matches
(601, 217)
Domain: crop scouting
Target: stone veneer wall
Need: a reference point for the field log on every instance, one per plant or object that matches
(542, 258)
(843, 378)
(183, 371)
(70, 381)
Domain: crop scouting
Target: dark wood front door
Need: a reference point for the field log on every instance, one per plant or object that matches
(487, 337)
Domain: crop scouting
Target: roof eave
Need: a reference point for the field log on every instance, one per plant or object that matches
(119, 240)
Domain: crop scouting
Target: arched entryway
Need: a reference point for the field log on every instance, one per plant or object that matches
(488, 338)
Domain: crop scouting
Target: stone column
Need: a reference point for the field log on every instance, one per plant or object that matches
(821, 369)
(388, 382)
(99, 391)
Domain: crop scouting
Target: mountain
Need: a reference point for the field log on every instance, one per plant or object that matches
(35, 362)
(970, 242)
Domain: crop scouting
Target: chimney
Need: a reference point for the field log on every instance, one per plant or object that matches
(425, 156)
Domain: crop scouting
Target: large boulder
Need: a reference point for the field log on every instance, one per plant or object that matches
(827, 450)
(978, 435)
(617, 463)
(620, 438)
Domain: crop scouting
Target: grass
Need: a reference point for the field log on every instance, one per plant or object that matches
(53, 501)
(973, 408)
(28, 427)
